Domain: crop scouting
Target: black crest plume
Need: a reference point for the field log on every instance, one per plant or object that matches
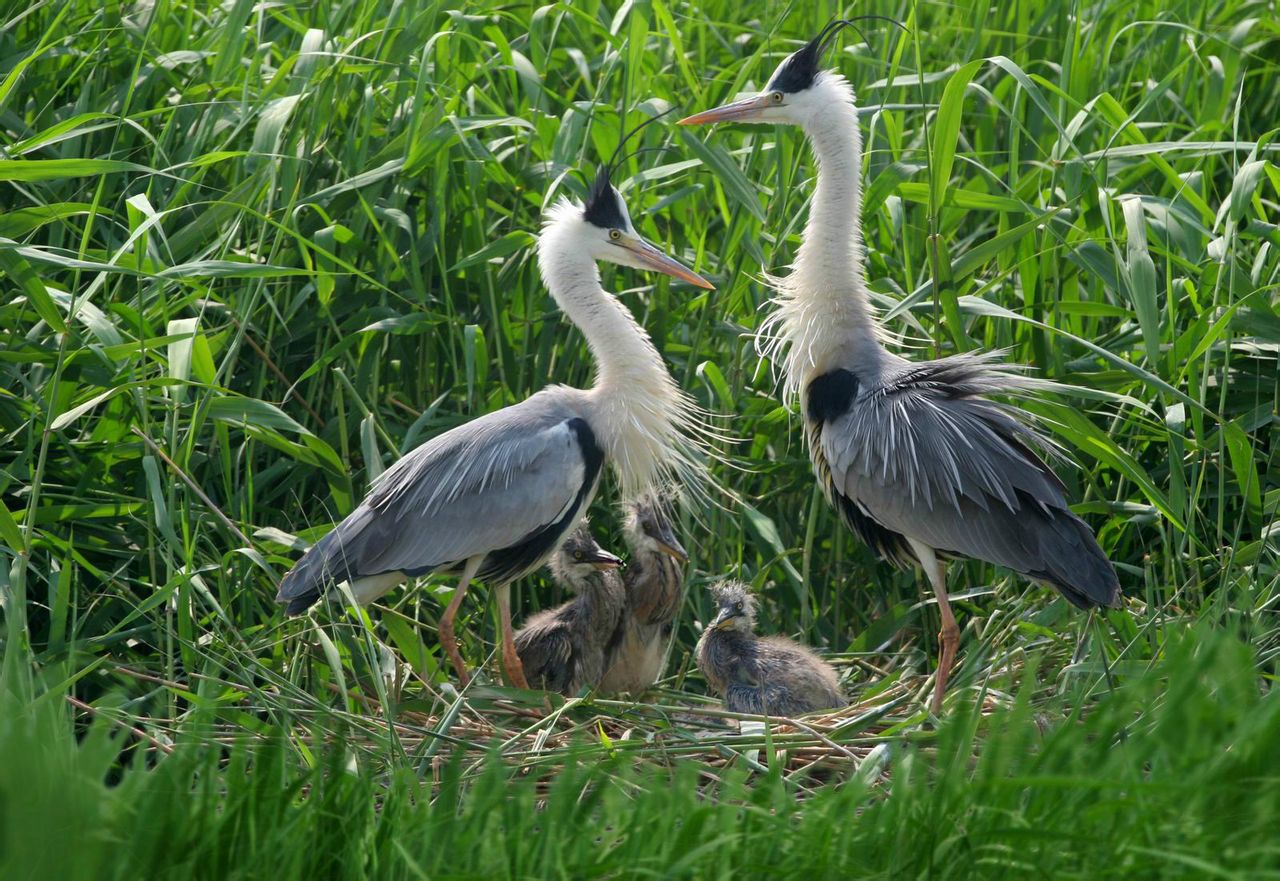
(800, 69)
(603, 206)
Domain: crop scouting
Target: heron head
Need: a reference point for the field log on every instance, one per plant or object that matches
(736, 607)
(608, 234)
(648, 526)
(580, 556)
(797, 91)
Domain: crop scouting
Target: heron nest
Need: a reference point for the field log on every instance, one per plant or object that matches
(536, 734)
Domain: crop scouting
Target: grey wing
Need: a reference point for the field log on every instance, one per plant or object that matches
(742, 698)
(799, 679)
(926, 456)
(779, 700)
(506, 485)
(771, 699)
(744, 691)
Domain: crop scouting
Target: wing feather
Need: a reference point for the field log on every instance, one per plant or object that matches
(547, 652)
(926, 455)
(479, 488)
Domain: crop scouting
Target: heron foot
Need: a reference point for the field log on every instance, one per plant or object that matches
(514, 667)
(949, 637)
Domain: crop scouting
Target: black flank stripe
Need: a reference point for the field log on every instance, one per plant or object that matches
(889, 545)
(530, 552)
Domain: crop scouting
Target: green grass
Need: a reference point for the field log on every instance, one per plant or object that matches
(1162, 778)
(249, 254)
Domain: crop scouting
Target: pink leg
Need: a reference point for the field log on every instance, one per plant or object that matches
(510, 658)
(949, 635)
(448, 639)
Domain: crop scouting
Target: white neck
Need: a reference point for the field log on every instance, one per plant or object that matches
(823, 319)
(637, 411)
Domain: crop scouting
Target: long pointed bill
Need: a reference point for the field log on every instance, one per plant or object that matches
(650, 257)
(747, 108)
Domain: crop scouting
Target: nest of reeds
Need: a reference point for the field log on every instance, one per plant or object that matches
(669, 725)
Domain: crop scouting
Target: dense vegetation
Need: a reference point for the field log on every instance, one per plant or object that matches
(250, 253)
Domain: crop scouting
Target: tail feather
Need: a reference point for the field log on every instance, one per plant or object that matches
(301, 603)
(1080, 570)
(322, 565)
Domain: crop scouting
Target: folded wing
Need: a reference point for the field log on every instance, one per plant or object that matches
(506, 486)
(925, 455)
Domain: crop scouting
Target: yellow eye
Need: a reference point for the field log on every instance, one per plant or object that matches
(577, 555)
(615, 234)
(777, 97)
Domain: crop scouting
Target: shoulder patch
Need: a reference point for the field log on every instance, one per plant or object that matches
(830, 395)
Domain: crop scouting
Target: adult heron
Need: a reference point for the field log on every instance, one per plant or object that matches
(916, 458)
(493, 498)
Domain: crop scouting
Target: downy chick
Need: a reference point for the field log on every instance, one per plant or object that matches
(654, 582)
(763, 675)
(563, 649)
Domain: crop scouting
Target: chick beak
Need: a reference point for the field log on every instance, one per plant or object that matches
(670, 545)
(724, 620)
(602, 560)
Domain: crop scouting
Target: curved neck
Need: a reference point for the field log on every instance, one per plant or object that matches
(832, 246)
(622, 350)
(584, 584)
(733, 636)
(824, 317)
(636, 410)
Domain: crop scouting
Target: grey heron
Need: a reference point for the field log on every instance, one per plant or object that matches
(493, 498)
(768, 675)
(654, 582)
(563, 649)
(920, 463)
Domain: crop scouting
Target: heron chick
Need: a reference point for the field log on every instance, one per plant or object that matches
(563, 649)
(769, 675)
(654, 583)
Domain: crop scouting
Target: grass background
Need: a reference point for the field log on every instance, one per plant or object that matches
(251, 253)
